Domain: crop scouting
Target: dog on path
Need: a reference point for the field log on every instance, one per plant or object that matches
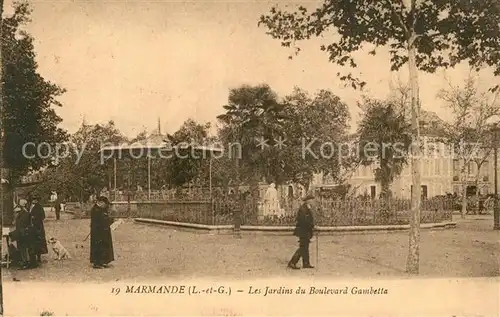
(59, 250)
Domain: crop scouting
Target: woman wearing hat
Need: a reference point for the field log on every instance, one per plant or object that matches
(101, 243)
(37, 217)
(304, 231)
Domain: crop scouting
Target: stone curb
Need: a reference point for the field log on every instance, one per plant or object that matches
(279, 229)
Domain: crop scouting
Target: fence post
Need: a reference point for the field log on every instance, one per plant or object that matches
(212, 205)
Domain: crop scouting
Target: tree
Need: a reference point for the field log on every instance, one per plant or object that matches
(252, 123)
(80, 172)
(315, 130)
(385, 131)
(469, 134)
(426, 35)
(184, 168)
(28, 116)
(295, 130)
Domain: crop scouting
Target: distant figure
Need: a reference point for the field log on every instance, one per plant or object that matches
(304, 230)
(101, 244)
(271, 202)
(37, 217)
(57, 208)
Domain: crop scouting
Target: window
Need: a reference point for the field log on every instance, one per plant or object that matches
(484, 168)
(373, 192)
(437, 167)
(456, 167)
(424, 191)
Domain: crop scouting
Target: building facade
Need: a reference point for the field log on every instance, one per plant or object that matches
(441, 173)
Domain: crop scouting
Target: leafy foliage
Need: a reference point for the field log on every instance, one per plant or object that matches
(29, 100)
(474, 116)
(185, 167)
(252, 114)
(384, 139)
(320, 121)
(446, 32)
(80, 172)
(283, 140)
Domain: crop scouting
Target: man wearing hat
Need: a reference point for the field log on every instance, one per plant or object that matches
(304, 231)
(22, 233)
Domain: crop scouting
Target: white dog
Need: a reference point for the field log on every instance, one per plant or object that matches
(60, 251)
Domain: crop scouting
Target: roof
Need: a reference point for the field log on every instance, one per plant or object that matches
(432, 125)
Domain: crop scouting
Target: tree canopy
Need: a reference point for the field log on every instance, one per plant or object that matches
(384, 140)
(445, 32)
(29, 100)
(283, 139)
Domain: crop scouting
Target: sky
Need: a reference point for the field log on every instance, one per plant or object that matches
(136, 61)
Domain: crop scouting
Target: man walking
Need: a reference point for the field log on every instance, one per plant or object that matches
(304, 231)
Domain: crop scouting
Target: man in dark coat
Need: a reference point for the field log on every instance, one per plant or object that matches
(22, 234)
(101, 244)
(37, 217)
(304, 231)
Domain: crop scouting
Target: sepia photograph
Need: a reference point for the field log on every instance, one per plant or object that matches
(244, 157)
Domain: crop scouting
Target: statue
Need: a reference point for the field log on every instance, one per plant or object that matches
(53, 196)
(271, 206)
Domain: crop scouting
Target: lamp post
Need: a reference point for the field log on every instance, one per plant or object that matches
(496, 208)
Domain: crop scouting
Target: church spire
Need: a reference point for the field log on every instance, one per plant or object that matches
(159, 126)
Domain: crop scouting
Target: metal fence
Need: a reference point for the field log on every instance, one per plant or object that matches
(333, 212)
(328, 212)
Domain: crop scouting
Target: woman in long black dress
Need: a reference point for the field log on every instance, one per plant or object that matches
(101, 244)
(37, 217)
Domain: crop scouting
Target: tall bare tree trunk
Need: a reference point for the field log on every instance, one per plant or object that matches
(412, 264)
(463, 211)
(477, 193)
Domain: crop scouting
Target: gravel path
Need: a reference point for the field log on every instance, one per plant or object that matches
(147, 252)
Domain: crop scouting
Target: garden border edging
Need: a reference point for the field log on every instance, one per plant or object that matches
(280, 229)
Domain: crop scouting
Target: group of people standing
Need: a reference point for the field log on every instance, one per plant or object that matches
(31, 242)
(29, 233)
